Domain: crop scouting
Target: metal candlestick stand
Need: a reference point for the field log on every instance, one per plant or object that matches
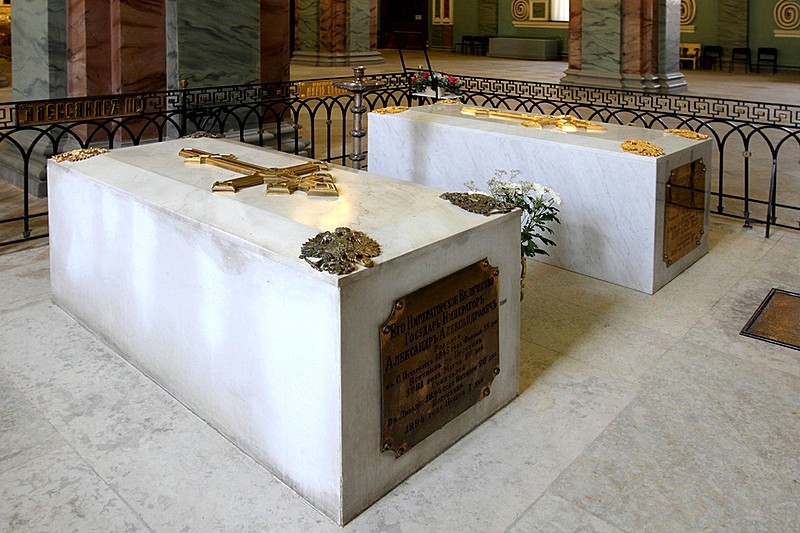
(358, 87)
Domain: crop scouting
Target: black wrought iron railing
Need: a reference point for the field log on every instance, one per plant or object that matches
(757, 145)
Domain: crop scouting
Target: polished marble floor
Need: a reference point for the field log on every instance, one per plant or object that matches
(636, 413)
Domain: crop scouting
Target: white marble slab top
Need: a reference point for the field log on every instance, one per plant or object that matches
(609, 140)
(403, 217)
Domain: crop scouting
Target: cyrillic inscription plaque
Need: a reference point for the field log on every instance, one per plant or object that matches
(684, 210)
(318, 89)
(440, 351)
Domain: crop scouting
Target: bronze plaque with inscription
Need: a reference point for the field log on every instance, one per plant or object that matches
(440, 352)
(684, 210)
(319, 89)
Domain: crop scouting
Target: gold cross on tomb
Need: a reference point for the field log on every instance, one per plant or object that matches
(311, 177)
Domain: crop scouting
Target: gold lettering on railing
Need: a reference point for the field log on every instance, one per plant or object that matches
(318, 89)
(77, 109)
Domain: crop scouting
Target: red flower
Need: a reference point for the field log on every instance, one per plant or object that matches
(425, 74)
(452, 79)
(414, 80)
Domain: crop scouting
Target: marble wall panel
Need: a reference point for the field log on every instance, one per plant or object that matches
(359, 26)
(171, 23)
(141, 41)
(218, 46)
(307, 29)
(732, 18)
(333, 26)
(91, 69)
(600, 42)
(57, 47)
(669, 36)
(373, 21)
(275, 51)
(632, 31)
(76, 48)
(575, 34)
(31, 33)
(639, 35)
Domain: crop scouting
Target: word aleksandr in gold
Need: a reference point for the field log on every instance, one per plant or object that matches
(566, 123)
(29, 114)
(639, 147)
(306, 177)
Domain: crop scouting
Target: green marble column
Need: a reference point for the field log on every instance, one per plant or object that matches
(336, 32)
(625, 44)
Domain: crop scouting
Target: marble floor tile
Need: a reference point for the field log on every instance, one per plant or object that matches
(719, 329)
(24, 433)
(26, 278)
(782, 264)
(710, 444)
(552, 514)
(37, 251)
(58, 491)
(607, 340)
(557, 324)
(675, 308)
(534, 360)
(490, 477)
(172, 468)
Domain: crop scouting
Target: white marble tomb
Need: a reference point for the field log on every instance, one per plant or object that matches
(206, 294)
(612, 219)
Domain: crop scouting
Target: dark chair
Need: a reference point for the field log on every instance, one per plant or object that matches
(467, 44)
(740, 55)
(767, 55)
(712, 57)
(481, 45)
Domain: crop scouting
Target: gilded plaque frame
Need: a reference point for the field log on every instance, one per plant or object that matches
(684, 210)
(440, 352)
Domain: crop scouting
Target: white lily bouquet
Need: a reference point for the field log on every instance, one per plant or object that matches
(539, 205)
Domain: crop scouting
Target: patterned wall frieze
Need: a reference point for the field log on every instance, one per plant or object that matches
(688, 13)
(787, 18)
(534, 14)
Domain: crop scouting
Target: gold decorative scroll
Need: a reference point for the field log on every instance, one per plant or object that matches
(79, 154)
(639, 147)
(566, 123)
(689, 134)
(390, 110)
(340, 251)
